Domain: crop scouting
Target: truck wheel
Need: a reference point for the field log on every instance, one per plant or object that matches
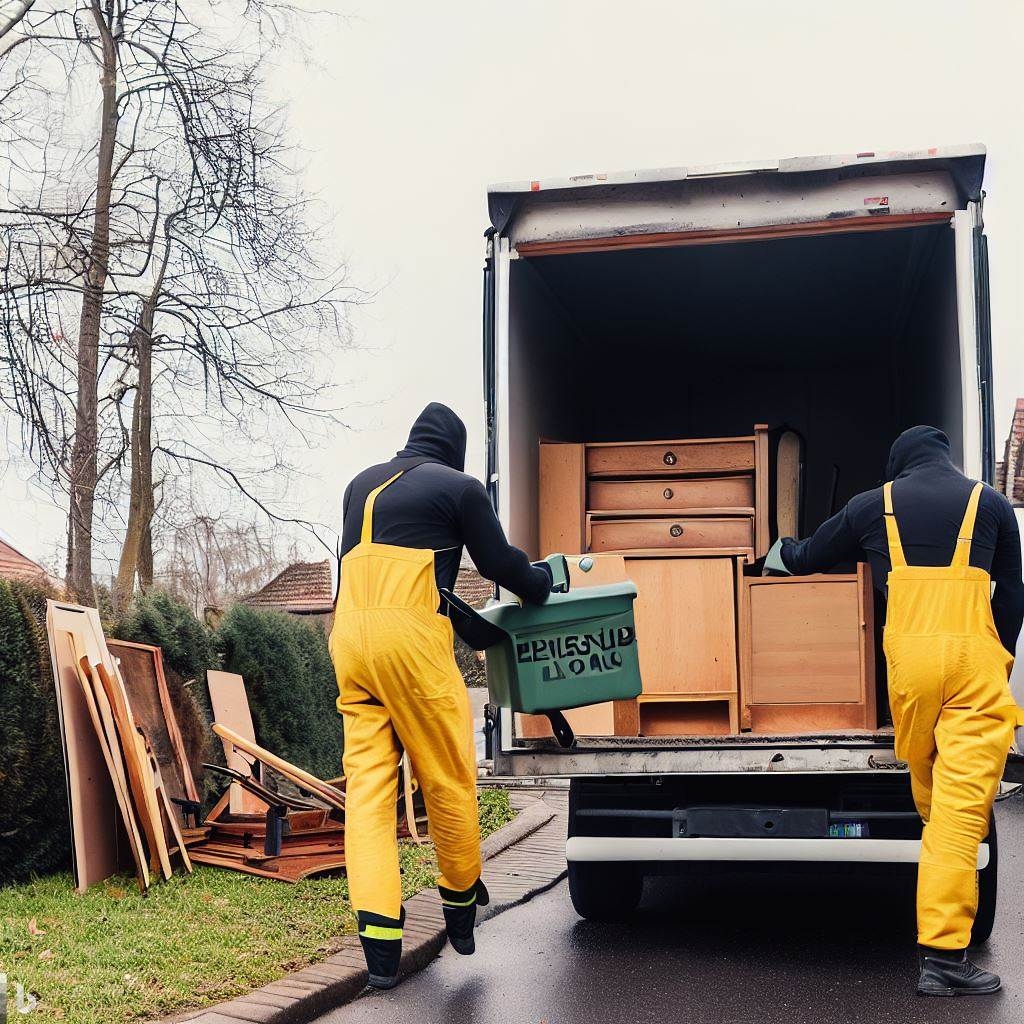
(988, 880)
(604, 892)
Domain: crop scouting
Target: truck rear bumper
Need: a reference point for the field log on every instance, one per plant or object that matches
(652, 850)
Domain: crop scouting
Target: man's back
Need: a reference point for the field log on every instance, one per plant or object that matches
(435, 505)
(929, 498)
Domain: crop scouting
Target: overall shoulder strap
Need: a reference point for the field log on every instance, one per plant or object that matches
(962, 551)
(367, 533)
(892, 531)
(407, 466)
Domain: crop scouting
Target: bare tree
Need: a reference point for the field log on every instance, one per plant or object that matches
(175, 233)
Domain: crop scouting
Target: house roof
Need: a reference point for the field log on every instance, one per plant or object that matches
(15, 564)
(304, 588)
(472, 587)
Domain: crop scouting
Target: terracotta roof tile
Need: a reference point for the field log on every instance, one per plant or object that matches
(472, 587)
(15, 565)
(302, 588)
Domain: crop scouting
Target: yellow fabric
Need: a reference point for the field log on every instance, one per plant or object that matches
(399, 687)
(954, 718)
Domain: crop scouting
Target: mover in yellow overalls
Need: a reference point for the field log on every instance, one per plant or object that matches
(948, 666)
(399, 686)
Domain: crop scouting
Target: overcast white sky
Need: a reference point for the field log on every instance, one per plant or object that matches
(408, 110)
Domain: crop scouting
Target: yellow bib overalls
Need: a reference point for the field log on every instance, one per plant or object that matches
(954, 718)
(399, 687)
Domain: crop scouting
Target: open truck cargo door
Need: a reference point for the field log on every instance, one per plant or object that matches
(974, 315)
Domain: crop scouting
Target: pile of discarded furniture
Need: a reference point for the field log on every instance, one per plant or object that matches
(133, 799)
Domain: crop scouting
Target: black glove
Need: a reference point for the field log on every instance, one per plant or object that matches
(547, 569)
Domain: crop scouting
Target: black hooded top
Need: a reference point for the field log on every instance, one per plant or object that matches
(435, 505)
(929, 498)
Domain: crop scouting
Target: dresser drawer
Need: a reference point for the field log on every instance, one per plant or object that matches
(682, 532)
(709, 492)
(667, 458)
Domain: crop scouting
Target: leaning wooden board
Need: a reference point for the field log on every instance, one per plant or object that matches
(230, 705)
(98, 840)
(301, 778)
(141, 669)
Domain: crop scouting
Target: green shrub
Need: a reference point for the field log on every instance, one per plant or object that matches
(291, 685)
(35, 838)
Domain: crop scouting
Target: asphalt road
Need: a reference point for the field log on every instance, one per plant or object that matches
(733, 949)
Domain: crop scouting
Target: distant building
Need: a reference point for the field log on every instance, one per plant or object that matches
(15, 564)
(303, 589)
(1010, 471)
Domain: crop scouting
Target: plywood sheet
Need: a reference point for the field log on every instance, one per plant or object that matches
(99, 842)
(230, 705)
(141, 668)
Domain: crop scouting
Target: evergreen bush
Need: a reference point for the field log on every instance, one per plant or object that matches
(291, 685)
(35, 835)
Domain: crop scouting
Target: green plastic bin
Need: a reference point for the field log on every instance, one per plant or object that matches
(575, 649)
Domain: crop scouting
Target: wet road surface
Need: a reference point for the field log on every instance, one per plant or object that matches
(736, 948)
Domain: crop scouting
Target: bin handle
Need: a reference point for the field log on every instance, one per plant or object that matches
(562, 729)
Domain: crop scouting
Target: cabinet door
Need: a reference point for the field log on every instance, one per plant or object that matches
(806, 639)
(685, 623)
(562, 493)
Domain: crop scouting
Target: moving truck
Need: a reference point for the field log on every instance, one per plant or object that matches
(845, 297)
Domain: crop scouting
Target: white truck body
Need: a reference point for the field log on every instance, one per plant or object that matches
(845, 295)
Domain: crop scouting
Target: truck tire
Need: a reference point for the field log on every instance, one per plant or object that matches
(988, 883)
(605, 891)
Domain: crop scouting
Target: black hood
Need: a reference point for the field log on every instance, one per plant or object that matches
(917, 447)
(437, 434)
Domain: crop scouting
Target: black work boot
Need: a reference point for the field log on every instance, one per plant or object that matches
(460, 914)
(381, 939)
(948, 972)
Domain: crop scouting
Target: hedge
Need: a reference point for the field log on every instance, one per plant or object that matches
(291, 684)
(35, 835)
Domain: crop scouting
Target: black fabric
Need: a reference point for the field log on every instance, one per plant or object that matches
(440, 507)
(929, 498)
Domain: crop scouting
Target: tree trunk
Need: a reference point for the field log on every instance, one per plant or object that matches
(137, 551)
(84, 462)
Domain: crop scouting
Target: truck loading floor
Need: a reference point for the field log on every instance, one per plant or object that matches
(807, 950)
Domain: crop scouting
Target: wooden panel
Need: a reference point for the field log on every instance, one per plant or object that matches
(808, 661)
(604, 569)
(685, 718)
(592, 720)
(685, 623)
(805, 642)
(761, 543)
(230, 705)
(806, 718)
(99, 843)
(706, 492)
(665, 458)
(142, 673)
(668, 532)
(562, 496)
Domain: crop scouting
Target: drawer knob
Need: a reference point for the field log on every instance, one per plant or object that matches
(670, 459)
(676, 530)
(668, 493)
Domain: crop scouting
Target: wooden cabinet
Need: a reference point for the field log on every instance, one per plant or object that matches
(807, 657)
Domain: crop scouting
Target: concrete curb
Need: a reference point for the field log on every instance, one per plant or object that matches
(523, 859)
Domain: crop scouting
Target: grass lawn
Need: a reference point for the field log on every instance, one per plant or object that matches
(110, 955)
